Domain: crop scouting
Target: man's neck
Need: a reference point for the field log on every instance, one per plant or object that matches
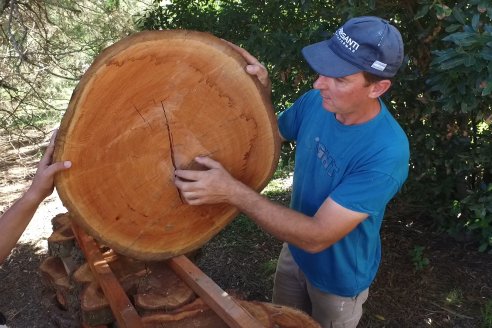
(362, 115)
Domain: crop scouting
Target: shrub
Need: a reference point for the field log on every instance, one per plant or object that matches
(441, 96)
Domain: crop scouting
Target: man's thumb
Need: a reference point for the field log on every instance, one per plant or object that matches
(207, 162)
(252, 69)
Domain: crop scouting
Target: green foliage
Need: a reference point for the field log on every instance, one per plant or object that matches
(452, 159)
(112, 5)
(269, 267)
(419, 261)
(274, 31)
(454, 297)
(487, 315)
(441, 96)
(241, 225)
(46, 47)
(479, 215)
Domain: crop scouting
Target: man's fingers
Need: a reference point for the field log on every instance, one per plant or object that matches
(189, 195)
(260, 72)
(254, 66)
(194, 201)
(250, 59)
(188, 174)
(257, 70)
(208, 162)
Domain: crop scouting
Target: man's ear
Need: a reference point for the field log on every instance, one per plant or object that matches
(379, 88)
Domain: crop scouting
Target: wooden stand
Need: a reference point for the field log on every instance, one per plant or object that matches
(228, 309)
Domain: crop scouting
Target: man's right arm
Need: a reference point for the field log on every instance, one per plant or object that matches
(313, 234)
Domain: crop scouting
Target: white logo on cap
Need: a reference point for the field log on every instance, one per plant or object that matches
(346, 40)
(378, 65)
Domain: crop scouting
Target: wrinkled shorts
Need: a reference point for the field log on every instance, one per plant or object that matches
(292, 289)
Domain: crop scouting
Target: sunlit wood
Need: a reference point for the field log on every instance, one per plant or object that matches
(150, 104)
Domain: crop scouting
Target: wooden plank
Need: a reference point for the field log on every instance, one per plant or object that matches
(122, 308)
(219, 301)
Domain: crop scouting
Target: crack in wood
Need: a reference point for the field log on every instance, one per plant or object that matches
(134, 210)
(143, 118)
(171, 146)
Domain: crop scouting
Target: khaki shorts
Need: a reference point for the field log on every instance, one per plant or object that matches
(292, 289)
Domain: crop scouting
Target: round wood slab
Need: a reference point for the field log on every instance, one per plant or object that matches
(148, 105)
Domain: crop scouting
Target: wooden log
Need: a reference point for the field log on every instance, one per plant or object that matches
(148, 105)
(217, 299)
(197, 319)
(53, 272)
(83, 275)
(94, 306)
(161, 289)
(121, 307)
(70, 263)
(54, 276)
(152, 286)
(100, 326)
(272, 315)
(59, 220)
(199, 314)
(61, 242)
(195, 314)
(127, 270)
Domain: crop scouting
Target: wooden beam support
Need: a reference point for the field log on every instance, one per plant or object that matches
(122, 308)
(233, 314)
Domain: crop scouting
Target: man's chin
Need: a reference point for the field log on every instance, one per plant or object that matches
(327, 107)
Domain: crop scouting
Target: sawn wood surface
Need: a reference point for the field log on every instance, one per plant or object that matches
(149, 104)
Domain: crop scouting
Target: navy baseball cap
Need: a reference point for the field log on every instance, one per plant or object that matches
(364, 43)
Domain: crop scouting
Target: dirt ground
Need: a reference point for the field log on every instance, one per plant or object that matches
(451, 291)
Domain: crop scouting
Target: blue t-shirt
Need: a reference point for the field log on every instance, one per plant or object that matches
(361, 167)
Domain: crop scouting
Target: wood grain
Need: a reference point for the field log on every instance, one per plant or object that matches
(121, 307)
(150, 104)
(233, 314)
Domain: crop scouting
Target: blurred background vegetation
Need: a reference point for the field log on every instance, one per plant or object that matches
(441, 97)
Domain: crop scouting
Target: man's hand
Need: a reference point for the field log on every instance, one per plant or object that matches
(254, 66)
(212, 186)
(43, 182)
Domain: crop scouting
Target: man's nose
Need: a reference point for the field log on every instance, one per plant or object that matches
(321, 82)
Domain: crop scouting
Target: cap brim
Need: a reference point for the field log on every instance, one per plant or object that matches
(325, 62)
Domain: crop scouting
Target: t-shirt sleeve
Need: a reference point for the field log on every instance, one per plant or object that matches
(290, 120)
(365, 192)
(288, 124)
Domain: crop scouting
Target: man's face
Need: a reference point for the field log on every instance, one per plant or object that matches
(345, 95)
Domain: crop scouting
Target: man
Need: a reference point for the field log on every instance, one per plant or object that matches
(15, 220)
(351, 159)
